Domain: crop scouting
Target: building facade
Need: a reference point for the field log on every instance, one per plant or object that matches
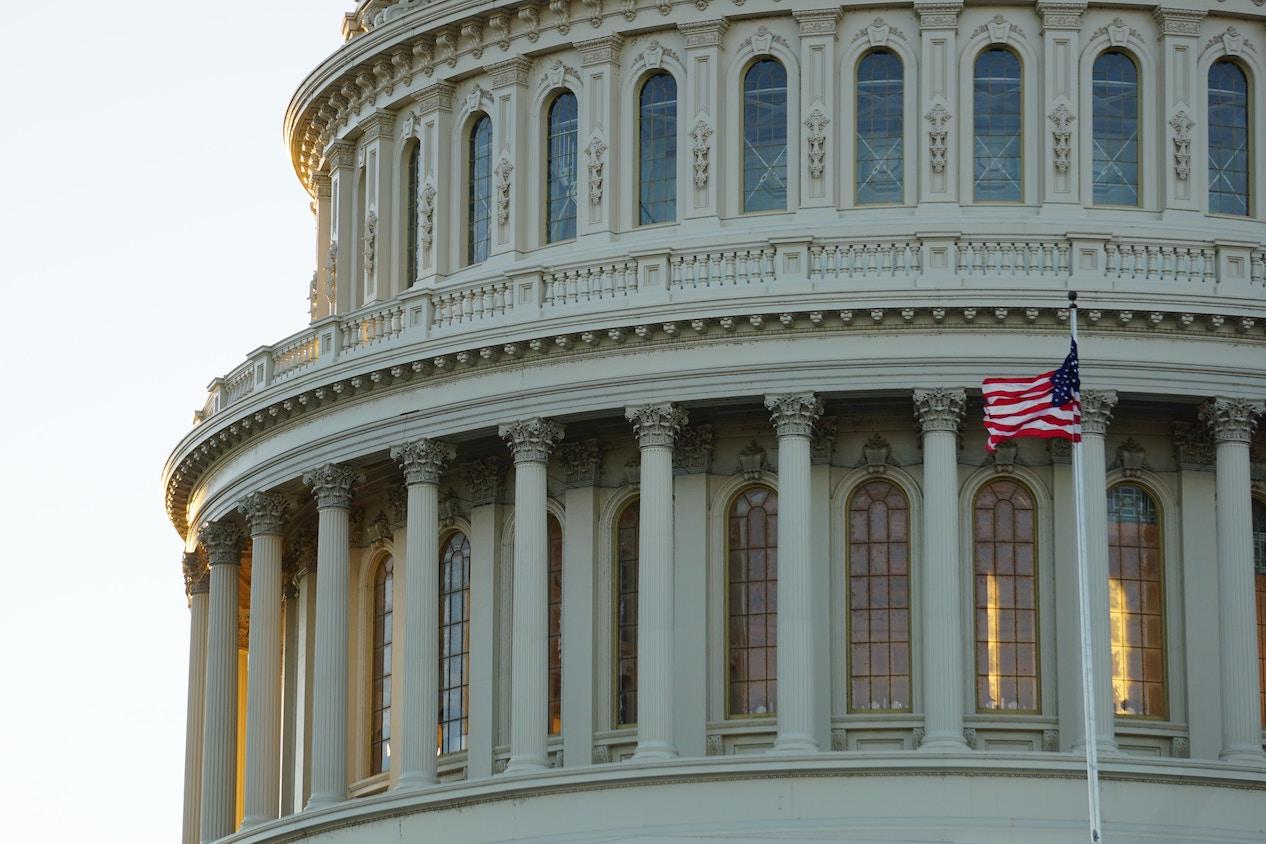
(628, 482)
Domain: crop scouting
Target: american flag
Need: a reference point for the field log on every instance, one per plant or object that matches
(1046, 405)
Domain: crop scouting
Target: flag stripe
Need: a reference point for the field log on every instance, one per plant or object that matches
(1044, 406)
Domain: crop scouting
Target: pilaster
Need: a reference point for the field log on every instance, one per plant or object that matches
(1182, 125)
(939, 127)
(599, 141)
(817, 99)
(340, 157)
(1061, 37)
(322, 303)
(486, 518)
(380, 261)
(512, 145)
(1096, 414)
(580, 544)
(703, 115)
(440, 201)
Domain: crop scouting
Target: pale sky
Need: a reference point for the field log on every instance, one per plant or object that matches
(152, 232)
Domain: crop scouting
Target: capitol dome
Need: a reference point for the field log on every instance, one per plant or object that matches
(627, 482)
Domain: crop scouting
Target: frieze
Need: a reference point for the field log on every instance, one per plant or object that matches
(513, 71)
(704, 33)
(1174, 21)
(817, 21)
(600, 50)
(938, 15)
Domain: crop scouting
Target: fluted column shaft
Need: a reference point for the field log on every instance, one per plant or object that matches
(656, 426)
(531, 442)
(422, 462)
(198, 582)
(940, 411)
(1096, 413)
(219, 717)
(793, 417)
(332, 486)
(289, 695)
(265, 514)
(1232, 422)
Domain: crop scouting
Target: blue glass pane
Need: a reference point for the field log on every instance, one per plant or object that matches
(997, 116)
(560, 208)
(765, 137)
(879, 126)
(1228, 139)
(415, 162)
(657, 163)
(479, 199)
(1115, 138)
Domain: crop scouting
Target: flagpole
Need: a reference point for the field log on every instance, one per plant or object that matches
(1083, 597)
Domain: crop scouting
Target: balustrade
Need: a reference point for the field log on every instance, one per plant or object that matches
(1161, 262)
(586, 284)
(472, 303)
(728, 268)
(866, 259)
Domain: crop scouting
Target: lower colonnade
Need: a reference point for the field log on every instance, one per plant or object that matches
(712, 597)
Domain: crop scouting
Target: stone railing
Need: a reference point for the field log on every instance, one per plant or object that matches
(797, 269)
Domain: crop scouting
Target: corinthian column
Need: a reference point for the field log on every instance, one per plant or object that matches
(531, 441)
(939, 412)
(1232, 422)
(332, 485)
(656, 427)
(422, 462)
(219, 717)
(197, 582)
(1096, 413)
(265, 514)
(794, 416)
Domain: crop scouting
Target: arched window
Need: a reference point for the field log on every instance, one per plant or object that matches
(657, 150)
(415, 181)
(380, 711)
(1115, 139)
(1228, 139)
(1259, 572)
(560, 200)
(752, 563)
(454, 643)
(879, 598)
(997, 113)
(765, 137)
(627, 561)
(1136, 601)
(1005, 566)
(880, 111)
(554, 534)
(479, 194)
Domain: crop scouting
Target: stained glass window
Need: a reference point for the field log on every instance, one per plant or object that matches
(554, 534)
(879, 598)
(1115, 139)
(880, 111)
(454, 715)
(380, 708)
(765, 137)
(560, 209)
(657, 151)
(479, 195)
(753, 602)
(998, 131)
(627, 561)
(1228, 139)
(1136, 601)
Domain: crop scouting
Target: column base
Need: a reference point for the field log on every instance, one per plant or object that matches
(795, 744)
(526, 765)
(653, 750)
(944, 743)
(322, 801)
(249, 822)
(411, 781)
(1246, 755)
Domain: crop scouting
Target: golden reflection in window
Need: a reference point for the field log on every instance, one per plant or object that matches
(753, 601)
(555, 538)
(627, 561)
(380, 709)
(454, 716)
(1259, 574)
(879, 598)
(1005, 566)
(1136, 602)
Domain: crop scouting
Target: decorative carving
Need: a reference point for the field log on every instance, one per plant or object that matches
(665, 7)
(1175, 21)
(714, 745)
(940, 408)
(426, 219)
(312, 295)
(194, 569)
(877, 455)
(700, 147)
(555, 74)
(1118, 33)
(532, 20)
(1232, 42)
(653, 56)
(938, 134)
(503, 171)
(423, 460)
(1181, 745)
(1131, 458)
(762, 41)
(839, 740)
(794, 414)
(332, 484)
(265, 512)
(1096, 410)
(445, 40)
(594, 151)
(630, 10)
(595, 12)
(331, 271)
(398, 506)
(878, 33)
(1005, 457)
(563, 13)
(602, 754)
(693, 451)
(379, 530)
(477, 97)
(302, 552)
(1050, 740)
(531, 440)
(499, 23)
(969, 736)
(484, 478)
(369, 242)
(752, 461)
(1193, 446)
(816, 123)
(999, 28)
(424, 56)
(1062, 132)
(450, 508)
(917, 735)
(823, 444)
(223, 542)
(1182, 124)
(1231, 420)
(581, 461)
(633, 471)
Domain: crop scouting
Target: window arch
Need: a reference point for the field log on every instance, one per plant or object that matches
(997, 114)
(554, 535)
(479, 191)
(880, 114)
(560, 199)
(657, 150)
(879, 598)
(752, 608)
(765, 136)
(1259, 574)
(412, 259)
(1004, 545)
(380, 709)
(1115, 135)
(628, 558)
(454, 715)
(1136, 602)
(1228, 139)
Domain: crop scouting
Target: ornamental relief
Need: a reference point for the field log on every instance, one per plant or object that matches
(699, 148)
(370, 242)
(426, 219)
(816, 123)
(878, 33)
(1182, 124)
(503, 171)
(1000, 30)
(938, 136)
(1062, 134)
(594, 151)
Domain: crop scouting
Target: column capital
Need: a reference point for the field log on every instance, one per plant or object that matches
(321, 182)
(531, 440)
(656, 424)
(510, 72)
(381, 125)
(341, 154)
(223, 543)
(794, 414)
(265, 512)
(1177, 21)
(435, 97)
(1231, 420)
(332, 484)
(302, 553)
(1193, 446)
(939, 14)
(582, 462)
(817, 21)
(940, 408)
(423, 460)
(1096, 410)
(1061, 14)
(602, 50)
(194, 568)
(704, 33)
